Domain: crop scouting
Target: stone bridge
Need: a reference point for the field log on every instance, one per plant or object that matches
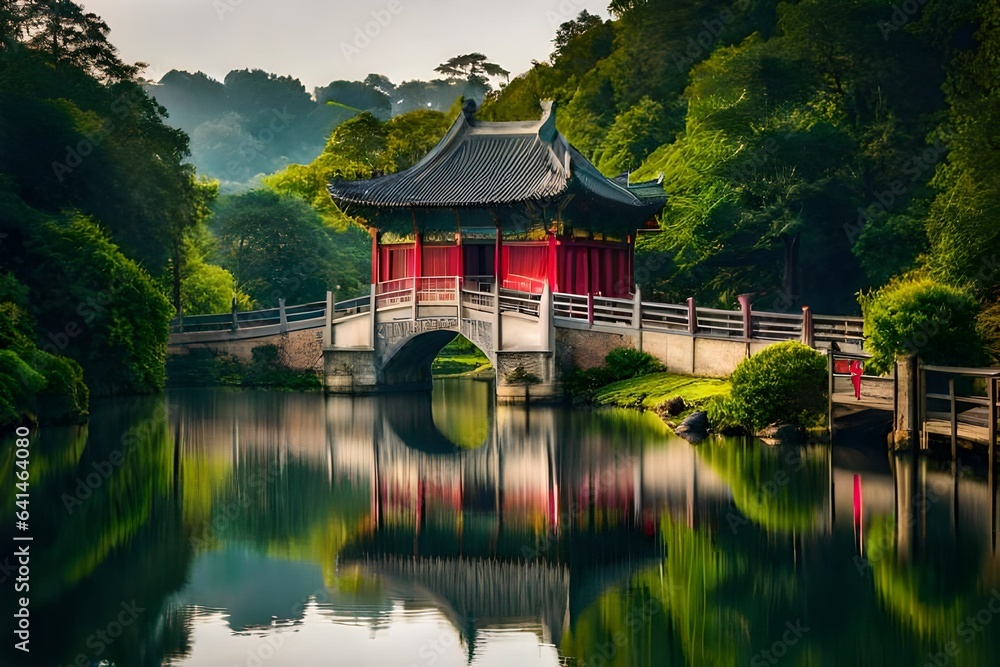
(388, 339)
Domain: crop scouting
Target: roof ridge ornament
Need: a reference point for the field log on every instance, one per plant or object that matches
(469, 109)
(547, 127)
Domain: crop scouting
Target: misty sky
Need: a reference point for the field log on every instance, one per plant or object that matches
(306, 38)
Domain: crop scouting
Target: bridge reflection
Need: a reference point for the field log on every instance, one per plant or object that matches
(493, 516)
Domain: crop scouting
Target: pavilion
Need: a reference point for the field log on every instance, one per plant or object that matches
(511, 204)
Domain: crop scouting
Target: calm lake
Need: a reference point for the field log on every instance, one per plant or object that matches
(230, 528)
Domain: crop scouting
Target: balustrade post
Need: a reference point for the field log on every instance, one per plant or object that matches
(236, 321)
(545, 317)
(692, 317)
(747, 310)
(590, 309)
(328, 329)
(637, 309)
(373, 313)
(497, 319)
(282, 317)
(808, 332)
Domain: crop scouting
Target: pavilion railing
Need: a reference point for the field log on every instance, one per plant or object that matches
(520, 302)
(516, 283)
(484, 302)
(438, 290)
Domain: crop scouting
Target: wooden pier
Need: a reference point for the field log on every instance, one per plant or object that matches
(926, 402)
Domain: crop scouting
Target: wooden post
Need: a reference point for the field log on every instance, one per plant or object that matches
(236, 321)
(808, 333)
(692, 317)
(913, 400)
(992, 424)
(922, 407)
(590, 309)
(954, 418)
(829, 403)
(747, 309)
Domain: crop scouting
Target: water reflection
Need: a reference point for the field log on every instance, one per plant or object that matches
(284, 529)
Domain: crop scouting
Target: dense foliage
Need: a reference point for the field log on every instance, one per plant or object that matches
(96, 204)
(254, 123)
(919, 316)
(784, 383)
(810, 149)
(33, 384)
(266, 368)
(251, 124)
(277, 247)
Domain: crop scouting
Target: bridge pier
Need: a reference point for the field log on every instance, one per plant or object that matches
(350, 371)
(527, 377)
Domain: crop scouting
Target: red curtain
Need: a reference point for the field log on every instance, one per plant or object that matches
(527, 261)
(441, 261)
(593, 269)
(397, 262)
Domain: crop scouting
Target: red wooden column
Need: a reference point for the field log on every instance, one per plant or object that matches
(376, 258)
(630, 265)
(553, 268)
(418, 255)
(461, 250)
(497, 254)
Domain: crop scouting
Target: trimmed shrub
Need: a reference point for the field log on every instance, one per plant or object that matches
(786, 382)
(919, 316)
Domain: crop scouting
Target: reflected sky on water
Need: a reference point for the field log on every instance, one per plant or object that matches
(280, 529)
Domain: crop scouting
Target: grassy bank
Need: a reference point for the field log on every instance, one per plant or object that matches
(460, 357)
(460, 364)
(649, 392)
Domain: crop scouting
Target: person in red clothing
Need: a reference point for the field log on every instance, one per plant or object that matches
(857, 370)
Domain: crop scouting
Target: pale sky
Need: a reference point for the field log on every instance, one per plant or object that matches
(318, 42)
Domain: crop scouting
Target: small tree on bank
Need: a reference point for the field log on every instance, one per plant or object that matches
(783, 383)
(920, 316)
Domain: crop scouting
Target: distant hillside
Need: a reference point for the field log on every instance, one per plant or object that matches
(255, 123)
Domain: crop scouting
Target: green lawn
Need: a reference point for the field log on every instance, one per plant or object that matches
(649, 391)
(459, 364)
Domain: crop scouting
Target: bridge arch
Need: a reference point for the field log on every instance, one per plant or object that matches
(407, 362)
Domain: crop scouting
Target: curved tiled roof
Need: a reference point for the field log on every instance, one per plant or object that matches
(481, 164)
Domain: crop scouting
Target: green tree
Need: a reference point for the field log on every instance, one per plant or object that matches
(476, 69)
(573, 30)
(71, 36)
(920, 316)
(962, 221)
(277, 246)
